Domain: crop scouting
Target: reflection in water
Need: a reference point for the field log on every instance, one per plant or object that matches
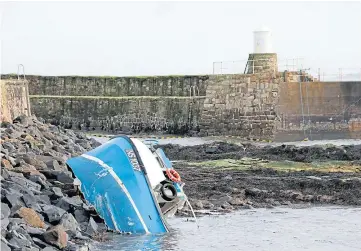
(280, 229)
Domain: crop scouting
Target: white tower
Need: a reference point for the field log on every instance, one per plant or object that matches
(262, 40)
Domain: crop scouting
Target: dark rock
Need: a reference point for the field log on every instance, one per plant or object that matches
(56, 192)
(33, 231)
(94, 143)
(39, 179)
(227, 206)
(198, 205)
(81, 215)
(52, 213)
(237, 202)
(211, 149)
(56, 236)
(8, 146)
(24, 120)
(70, 203)
(18, 240)
(26, 183)
(70, 224)
(31, 202)
(92, 227)
(65, 178)
(4, 151)
(40, 243)
(43, 199)
(253, 192)
(14, 198)
(219, 199)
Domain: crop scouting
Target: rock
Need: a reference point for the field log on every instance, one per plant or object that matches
(65, 178)
(18, 240)
(227, 206)
(5, 211)
(211, 149)
(94, 143)
(39, 178)
(219, 199)
(4, 247)
(39, 242)
(207, 204)
(43, 199)
(309, 197)
(81, 215)
(14, 161)
(325, 198)
(8, 146)
(34, 230)
(30, 217)
(70, 203)
(26, 183)
(52, 213)
(48, 249)
(56, 236)
(237, 202)
(70, 224)
(4, 223)
(5, 163)
(92, 227)
(198, 205)
(228, 177)
(57, 192)
(14, 198)
(253, 192)
(24, 120)
(31, 202)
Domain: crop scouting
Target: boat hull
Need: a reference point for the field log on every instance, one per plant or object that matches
(114, 182)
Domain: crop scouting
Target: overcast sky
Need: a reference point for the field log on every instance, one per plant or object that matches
(168, 38)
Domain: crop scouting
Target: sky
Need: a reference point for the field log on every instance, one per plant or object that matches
(172, 38)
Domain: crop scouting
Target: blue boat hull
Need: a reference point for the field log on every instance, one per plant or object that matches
(114, 182)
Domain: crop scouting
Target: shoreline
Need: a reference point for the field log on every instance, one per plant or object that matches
(40, 202)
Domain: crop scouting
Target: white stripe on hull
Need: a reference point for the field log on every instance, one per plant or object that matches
(121, 184)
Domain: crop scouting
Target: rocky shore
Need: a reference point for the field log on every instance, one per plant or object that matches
(41, 209)
(222, 177)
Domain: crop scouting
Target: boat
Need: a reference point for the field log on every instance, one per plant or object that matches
(131, 185)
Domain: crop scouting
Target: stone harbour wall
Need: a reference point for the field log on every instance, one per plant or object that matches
(241, 105)
(172, 115)
(264, 105)
(14, 99)
(319, 110)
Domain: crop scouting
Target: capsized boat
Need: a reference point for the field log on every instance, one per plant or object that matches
(132, 186)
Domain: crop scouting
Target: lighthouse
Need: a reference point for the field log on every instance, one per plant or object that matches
(263, 58)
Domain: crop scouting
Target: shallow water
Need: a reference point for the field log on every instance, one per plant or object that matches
(199, 141)
(316, 228)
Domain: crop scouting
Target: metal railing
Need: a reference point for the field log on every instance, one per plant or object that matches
(250, 65)
(291, 65)
(336, 74)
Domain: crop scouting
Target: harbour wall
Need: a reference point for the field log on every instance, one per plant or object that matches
(14, 99)
(259, 106)
(319, 110)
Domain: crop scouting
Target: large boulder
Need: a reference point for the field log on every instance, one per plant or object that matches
(30, 217)
(70, 203)
(56, 236)
(52, 213)
(70, 224)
